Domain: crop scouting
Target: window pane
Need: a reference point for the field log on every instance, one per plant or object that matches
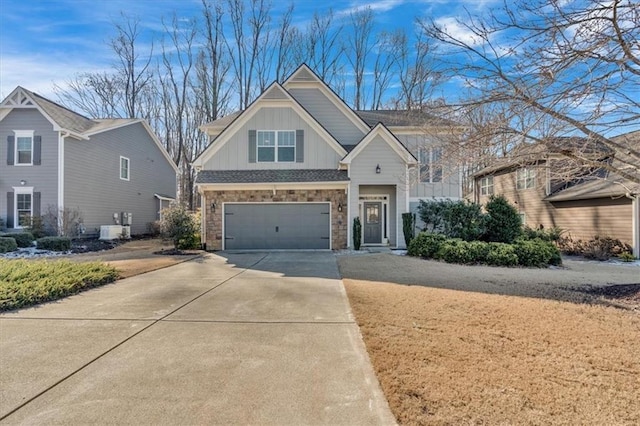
(124, 168)
(23, 206)
(24, 157)
(425, 171)
(24, 144)
(266, 154)
(266, 139)
(24, 150)
(286, 154)
(286, 139)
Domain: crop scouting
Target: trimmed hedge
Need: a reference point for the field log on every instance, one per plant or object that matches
(54, 243)
(530, 253)
(8, 244)
(23, 239)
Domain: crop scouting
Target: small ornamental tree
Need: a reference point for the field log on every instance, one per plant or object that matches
(409, 227)
(180, 226)
(503, 221)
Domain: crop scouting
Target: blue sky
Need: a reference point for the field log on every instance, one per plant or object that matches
(47, 42)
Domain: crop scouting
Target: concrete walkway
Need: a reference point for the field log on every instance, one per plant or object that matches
(250, 338)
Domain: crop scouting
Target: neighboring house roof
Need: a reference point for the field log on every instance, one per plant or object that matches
(611, 187)
(532, 153)
(275, 176)
(65, 120)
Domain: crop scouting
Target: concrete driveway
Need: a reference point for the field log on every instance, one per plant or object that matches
(247, 338)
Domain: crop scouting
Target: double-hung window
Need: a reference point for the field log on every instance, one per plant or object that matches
(24, 147)
(486, 185)
(276, 146)
(431, 164)
(525, 178)
(124, 168)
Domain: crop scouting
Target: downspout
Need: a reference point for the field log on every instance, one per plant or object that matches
(635, 223)
(60, 210)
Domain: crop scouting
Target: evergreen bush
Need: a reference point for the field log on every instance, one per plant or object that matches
(23, 239)
(408, 227)
(8, 244)
(425, 245)
(503, 223)
(54, 243)
(357, 233)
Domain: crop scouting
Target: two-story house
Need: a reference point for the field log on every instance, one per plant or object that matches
(295, 168)
(550, 192)
(55, 160)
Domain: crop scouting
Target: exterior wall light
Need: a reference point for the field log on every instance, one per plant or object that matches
(340, 207)
(23, 182)
(378, 169)
(213, 206)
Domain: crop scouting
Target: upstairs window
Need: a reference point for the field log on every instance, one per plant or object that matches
(276, 146)
(23, 209)
(431, 165)
(525, 178)
(24, 148)
(486, 185)
(124, 168)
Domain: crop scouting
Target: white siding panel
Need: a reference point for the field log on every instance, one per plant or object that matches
(234, 155)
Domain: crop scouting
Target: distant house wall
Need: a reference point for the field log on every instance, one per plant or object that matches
(93, 184)
(43, 178)
(581, 219)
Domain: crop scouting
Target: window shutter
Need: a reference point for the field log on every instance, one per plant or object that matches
(10, 150)
(37, 149)
(35, 209)
(252, 146)
(299, 146)
(9, 209)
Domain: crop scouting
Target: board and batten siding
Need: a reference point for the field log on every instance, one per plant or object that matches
(43, 178)
(234, 154)
(450, 185)
(581, 219)
(93, 184)
(362, 171)
(327, 114)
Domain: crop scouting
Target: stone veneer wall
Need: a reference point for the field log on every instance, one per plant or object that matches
(335, 197)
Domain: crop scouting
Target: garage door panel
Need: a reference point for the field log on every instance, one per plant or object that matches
(277, 226)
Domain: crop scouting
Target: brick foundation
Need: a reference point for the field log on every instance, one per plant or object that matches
(335, 197)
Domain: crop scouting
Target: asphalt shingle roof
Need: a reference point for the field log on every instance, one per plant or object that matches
(272, 176)
(398, 118)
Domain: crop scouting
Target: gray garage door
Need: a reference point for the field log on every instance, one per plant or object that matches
(283, 226)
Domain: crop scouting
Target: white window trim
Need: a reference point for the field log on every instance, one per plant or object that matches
(486, 188)
(128, 168)
(522, 177)
(275, 146)
(22, 134)
(428, 152)
(20, 190)
(523, 218)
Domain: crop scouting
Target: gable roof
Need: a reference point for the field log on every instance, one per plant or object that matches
(77, 125)
(382, 131)
(268, 97)
(304, 77)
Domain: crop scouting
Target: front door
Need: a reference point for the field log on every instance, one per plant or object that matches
(372, 223)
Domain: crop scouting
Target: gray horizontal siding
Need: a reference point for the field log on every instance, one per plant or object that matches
(43, 178)
(93, 184)
(327, 114)
(234, 154)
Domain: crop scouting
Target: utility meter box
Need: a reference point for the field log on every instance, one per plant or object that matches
(127, 218)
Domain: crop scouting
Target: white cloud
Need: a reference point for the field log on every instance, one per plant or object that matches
(458, 31)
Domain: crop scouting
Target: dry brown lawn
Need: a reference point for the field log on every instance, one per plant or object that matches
(454, 357)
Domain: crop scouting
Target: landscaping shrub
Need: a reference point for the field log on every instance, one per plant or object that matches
(426, 245)
(503, 224)
(536, 253)
(7, 244)
(23, 239)
(454, 219)
(37, 227)
(54, 243)
(181, 227)
(408, 227)
(501, 254)
(551, 234)
(28, 282)
(455, 251)
(357, 233)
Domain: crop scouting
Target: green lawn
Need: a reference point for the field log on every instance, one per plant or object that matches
(29, 282)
